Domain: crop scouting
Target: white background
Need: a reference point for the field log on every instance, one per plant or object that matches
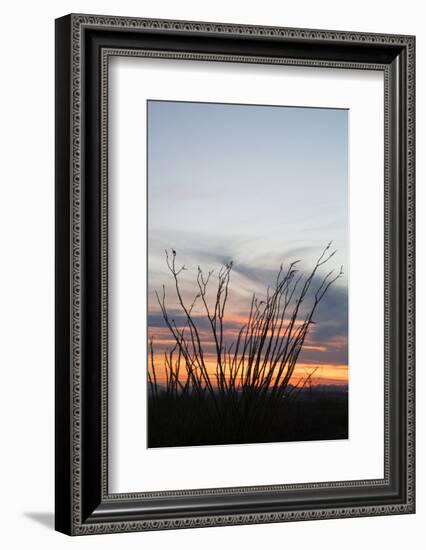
(26, 305)
(132, 81)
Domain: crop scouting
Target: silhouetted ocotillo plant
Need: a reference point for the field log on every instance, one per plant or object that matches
(253, 372)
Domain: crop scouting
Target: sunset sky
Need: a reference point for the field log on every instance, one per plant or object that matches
(258, 185)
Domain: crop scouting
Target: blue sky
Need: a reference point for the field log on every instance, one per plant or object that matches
(259, 185)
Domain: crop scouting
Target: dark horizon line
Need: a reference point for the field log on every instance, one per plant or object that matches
(339, 387)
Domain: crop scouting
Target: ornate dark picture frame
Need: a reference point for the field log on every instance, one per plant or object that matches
(83, 45)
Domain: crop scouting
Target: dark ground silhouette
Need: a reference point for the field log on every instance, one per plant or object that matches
(190, 420)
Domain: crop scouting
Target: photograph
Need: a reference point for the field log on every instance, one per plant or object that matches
(248, 251)
(234, 272)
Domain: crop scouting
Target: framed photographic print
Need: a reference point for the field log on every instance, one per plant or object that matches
(234, 274)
